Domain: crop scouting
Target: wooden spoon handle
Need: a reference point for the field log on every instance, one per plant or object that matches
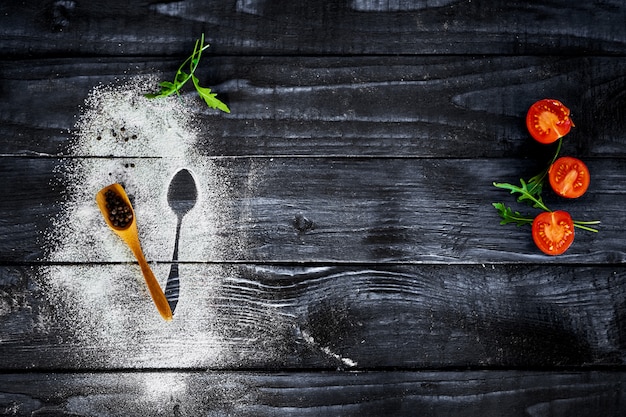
(153, 285)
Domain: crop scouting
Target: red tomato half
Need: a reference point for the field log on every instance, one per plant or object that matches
(569, 177)
(553, 232)
(548, 120)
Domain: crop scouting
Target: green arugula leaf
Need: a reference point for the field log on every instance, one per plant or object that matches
(167, 88)
(181, 78)
(209, 97)
(510, 216)
(525, 195)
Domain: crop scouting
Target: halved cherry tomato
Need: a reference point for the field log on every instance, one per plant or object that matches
(548, 120)
(569, 177)
(553, 232)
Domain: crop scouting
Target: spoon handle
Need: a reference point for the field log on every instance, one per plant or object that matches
(172, 289)
(172, 286)
(153, 285)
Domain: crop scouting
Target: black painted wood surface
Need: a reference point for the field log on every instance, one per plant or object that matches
(356, 265)
(534, 394)
(260, 316)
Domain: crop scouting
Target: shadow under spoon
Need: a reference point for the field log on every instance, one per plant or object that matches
(182, 195)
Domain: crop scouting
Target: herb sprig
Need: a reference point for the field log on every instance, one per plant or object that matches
(526, 195)
(182, 77)
(530, 193)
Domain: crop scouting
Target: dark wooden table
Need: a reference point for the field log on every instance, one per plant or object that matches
(342, 257)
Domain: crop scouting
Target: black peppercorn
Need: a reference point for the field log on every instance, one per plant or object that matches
(120, 213)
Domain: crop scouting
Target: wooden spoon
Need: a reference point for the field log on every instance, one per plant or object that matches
(129, 234)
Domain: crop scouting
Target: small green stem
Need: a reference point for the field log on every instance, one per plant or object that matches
(589, 229)
(582, 225)
(538, 179)
(521, 219)
(539, 203)
(556, 154)
(193, 62)
(197, 53)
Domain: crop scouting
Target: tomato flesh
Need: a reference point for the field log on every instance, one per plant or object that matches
(569, 177)
(553, 232)
(548, 120)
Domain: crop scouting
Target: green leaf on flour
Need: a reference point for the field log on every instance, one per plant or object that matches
(181, 78)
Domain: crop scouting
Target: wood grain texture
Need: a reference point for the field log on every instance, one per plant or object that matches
(465, 394)
(344, 218)
(319, 210)
(452, 106)
(244, 27)
(259, 316)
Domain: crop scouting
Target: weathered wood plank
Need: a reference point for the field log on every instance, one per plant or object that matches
(463, 394)
(316, 27)
(260, 316)
(362, 210)
(343, 218)
(424, 106)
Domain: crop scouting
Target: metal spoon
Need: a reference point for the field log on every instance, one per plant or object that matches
(128, 232)
(181, 196)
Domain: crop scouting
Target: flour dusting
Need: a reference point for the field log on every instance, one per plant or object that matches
(123, 137)
(327, 351)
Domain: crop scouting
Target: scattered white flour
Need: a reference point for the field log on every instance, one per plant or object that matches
(106, 303)
(150, 140)
(141, 143)
(310, 340)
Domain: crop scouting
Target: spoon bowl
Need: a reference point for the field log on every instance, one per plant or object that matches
(127, 231)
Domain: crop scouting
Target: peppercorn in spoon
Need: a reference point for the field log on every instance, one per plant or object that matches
(120, 217)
